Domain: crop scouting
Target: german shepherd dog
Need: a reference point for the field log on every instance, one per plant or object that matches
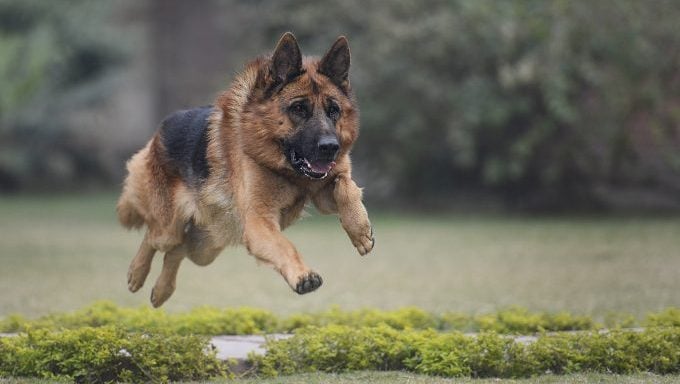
(242, 170)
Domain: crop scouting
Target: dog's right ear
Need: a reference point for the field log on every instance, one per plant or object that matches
(286, 62)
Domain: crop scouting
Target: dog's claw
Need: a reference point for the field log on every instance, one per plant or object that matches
(308, 283)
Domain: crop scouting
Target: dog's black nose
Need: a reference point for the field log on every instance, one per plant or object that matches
(328, 146)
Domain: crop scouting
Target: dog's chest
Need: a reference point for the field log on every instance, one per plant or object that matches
(291, 212)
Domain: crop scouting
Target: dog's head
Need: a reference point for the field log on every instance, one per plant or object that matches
(304, 109)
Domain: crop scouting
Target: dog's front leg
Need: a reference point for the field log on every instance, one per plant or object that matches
(263, 238)
(352, 213)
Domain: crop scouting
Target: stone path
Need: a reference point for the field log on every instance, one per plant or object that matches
(238, 347)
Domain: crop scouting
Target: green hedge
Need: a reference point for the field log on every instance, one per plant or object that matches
(240, 321)
(341, 348)
(668, 318)
(104, 343)
(108, 354)
(200, 321)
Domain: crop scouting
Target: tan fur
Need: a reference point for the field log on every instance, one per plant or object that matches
(251, 194)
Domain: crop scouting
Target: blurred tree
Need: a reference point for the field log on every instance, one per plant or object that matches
(52, 60)
(545, 104)
(549, 103)
(178, 25)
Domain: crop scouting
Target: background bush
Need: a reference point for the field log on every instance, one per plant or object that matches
(541, 104)
(545, 103)
(56, 62)
(244, 321)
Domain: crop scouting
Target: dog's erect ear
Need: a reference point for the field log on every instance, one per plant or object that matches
(286, 61)
(335, 63)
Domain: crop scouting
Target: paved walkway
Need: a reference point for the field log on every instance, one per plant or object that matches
(238, 347)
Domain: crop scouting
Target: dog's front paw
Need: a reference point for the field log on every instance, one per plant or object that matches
(308, 283)
(362, 237)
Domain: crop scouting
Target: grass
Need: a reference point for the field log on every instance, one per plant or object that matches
(408, 378)
(62, 253)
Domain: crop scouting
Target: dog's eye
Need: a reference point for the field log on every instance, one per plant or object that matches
(333, 111)
(299, 109)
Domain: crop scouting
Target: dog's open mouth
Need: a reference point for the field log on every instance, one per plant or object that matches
(313, 169)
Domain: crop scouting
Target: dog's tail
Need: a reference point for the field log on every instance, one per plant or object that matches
(130, 207)
(128, 215)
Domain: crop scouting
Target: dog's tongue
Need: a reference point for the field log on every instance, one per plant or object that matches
(322, 166)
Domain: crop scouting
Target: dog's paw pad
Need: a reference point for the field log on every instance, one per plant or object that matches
(308, 283)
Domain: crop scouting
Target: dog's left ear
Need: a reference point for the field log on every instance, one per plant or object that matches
(335, 63)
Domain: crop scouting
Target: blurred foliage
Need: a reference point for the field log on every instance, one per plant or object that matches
(547, 103)
(52, 60)
(245, 321)
(543, 104)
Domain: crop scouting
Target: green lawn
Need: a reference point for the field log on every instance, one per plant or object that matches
(408, 378)
(62, 253)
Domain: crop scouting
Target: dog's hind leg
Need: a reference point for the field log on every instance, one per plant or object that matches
(165, 285)
(140, 265)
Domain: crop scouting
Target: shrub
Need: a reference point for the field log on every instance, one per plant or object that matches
(107, 354)
(403, 318)
(202, 320)
(518, 320)
(240, 321)
(546, 104)
(667, 318)
(104, 343)
(337, 348)
(340, 348)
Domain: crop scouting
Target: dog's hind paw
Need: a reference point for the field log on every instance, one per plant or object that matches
(136, 278)
(308, 283)
(160, 294)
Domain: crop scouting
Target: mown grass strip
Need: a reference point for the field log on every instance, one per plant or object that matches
(244, 321)
(343, 349)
